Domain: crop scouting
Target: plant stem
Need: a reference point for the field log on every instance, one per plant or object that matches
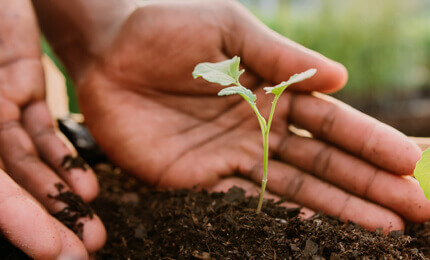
(265, 132)
(272, 111)
(261, 120)
(265, 164)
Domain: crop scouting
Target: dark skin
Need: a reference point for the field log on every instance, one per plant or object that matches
(154, 120)
(132, 65)
(31, 152)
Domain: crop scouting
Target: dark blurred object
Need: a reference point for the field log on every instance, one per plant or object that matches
(81, 138)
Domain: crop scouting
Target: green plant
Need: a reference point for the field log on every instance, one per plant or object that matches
(227, 73)
(422, 172)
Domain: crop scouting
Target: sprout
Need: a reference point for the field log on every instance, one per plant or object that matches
(227, 73)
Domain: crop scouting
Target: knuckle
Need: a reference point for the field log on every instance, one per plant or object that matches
(256, 173)
(368, 148)
(321, 162)
(343, 210)
(369, 183)
(328, 121)
(284, 145)
(295, 185)
(231, 9)
(9, 111)
(22, 88)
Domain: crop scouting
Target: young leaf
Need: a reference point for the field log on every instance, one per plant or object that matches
(422, 172)
(278, 89)
(224, 73)
(244, 92)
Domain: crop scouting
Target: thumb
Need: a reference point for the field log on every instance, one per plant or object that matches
(274, 57)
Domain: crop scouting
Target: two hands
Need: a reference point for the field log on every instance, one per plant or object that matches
(153, 119)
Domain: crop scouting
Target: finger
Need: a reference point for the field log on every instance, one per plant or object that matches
(21, 161)
(274, 57)
(94, 233)
(253, 190)
(25, 223)
(18, 90)
(24, 166)
(38, 123)
(354, 132)
(72, 247)
(401, 194)
(317, 195)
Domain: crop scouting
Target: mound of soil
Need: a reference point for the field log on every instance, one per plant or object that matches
(144, 223)
(185, 224)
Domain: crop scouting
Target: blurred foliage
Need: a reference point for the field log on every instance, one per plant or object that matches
(384, 44)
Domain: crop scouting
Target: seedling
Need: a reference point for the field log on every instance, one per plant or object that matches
(422, 172)
(227, 73)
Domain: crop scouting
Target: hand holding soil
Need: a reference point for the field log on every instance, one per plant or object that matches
(31, 152)
(155, 121)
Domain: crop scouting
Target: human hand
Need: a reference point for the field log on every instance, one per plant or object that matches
(155, 121)
(31, 151)
(30, 227)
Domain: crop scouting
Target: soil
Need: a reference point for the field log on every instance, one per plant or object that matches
(70, 162)
(144, 223)
(76, 208)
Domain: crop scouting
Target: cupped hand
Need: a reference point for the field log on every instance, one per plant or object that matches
(154, 120)
(32, 153)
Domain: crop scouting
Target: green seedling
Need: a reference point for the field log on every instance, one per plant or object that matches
(227, 73)
(422, 172)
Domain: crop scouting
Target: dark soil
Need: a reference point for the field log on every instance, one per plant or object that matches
(9, 252)
(70, 162)
(76, 208)
(183, 224)
(186, 224)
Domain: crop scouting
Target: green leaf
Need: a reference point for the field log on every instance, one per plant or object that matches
(224, 73)
(422, 172)
(244, 92)
(278, 89)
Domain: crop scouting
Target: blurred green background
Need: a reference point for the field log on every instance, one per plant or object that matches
(384, 44)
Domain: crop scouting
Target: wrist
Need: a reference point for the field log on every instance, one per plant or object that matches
(80, 31)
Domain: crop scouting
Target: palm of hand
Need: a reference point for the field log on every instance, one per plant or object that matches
(154, 120)
(163, 125)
